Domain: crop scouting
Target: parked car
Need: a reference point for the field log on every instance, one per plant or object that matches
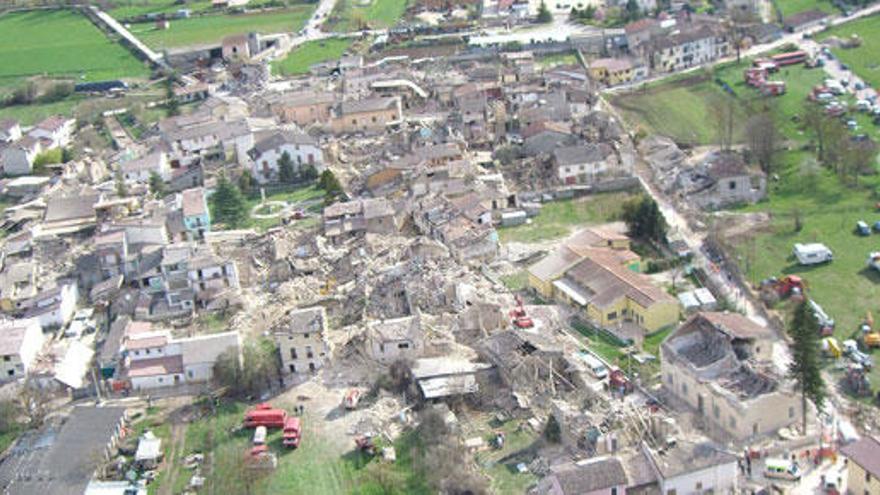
(862, 228)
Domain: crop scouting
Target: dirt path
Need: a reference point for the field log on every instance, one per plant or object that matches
(177, 437)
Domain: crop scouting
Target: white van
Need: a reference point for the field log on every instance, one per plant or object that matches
(812, 254)
(596, 367)
(781, 469)
(260, 433)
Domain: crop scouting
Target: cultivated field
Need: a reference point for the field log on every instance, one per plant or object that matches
(304, 56)
(683, 108)
(211, 29)
(61, 44)
(348, 14)
(791, 7)
(863, 60)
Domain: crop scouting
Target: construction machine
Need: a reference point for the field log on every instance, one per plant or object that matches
(519, 316)
(870, 337)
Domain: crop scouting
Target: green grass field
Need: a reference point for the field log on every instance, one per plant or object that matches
(208, 30)
(557, 59)
(791, 7)
(862, 60)
(559, 218)
(377, 14)
(682, 107)
(61, 44)
(313, 467)
(123, 9)
(845, 288)
(304, 56)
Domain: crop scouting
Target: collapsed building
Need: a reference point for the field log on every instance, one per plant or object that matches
(720, 364)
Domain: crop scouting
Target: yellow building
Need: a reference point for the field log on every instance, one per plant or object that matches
(595, 271)
(577, 247)
(367, 115)
(863, 468)
(612, 295)
(612, 71)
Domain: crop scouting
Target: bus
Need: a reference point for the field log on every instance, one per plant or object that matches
(790, 58)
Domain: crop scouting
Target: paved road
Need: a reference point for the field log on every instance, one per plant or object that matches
(126, 34)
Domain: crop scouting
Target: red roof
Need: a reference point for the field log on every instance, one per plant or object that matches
(167, 365)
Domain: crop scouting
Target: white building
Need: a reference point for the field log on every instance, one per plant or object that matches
(688, 47)
(155, 359)
(390, 340)
(20, 342)
(694, 468)
(140, 169)
(302, 149)
(55, 131)
(300, 340)
(54, 308)
(18, 157)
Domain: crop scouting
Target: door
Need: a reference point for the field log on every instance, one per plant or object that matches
(700, 405)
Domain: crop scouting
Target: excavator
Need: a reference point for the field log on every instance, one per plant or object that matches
(870, 336)
(519, 316)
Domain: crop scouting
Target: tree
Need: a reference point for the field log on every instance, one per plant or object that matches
(252, 375)
(644, 219)
(172, 106)
(859, 157)
(157, 184)
(809, 172)
(228, 203)
(805, 366)
(552, 431)
(632, 11)
(331, 186)
(33, 402)
(10, 411)
(246, 182)
(762, 138)
(816, 123)
(310, 173)
(121, 186)
(544, 15)
(286, 173)
(724, 113)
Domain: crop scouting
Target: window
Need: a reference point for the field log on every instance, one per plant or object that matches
(790, 412)
(715, 411)
(160, 379)
(731, 185)
(311, 366)
(146, 351)
(292, 353)
(374, 119)
(612, 315)
(189, 373)
(614, 490)
(867, 477)
(404, 345)
(671, 491)
(699, 486)
(306, 335)
(684, 388)
(309, 353)
(755, 429)
(11, 372)
(7, 358)
(732, 423)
